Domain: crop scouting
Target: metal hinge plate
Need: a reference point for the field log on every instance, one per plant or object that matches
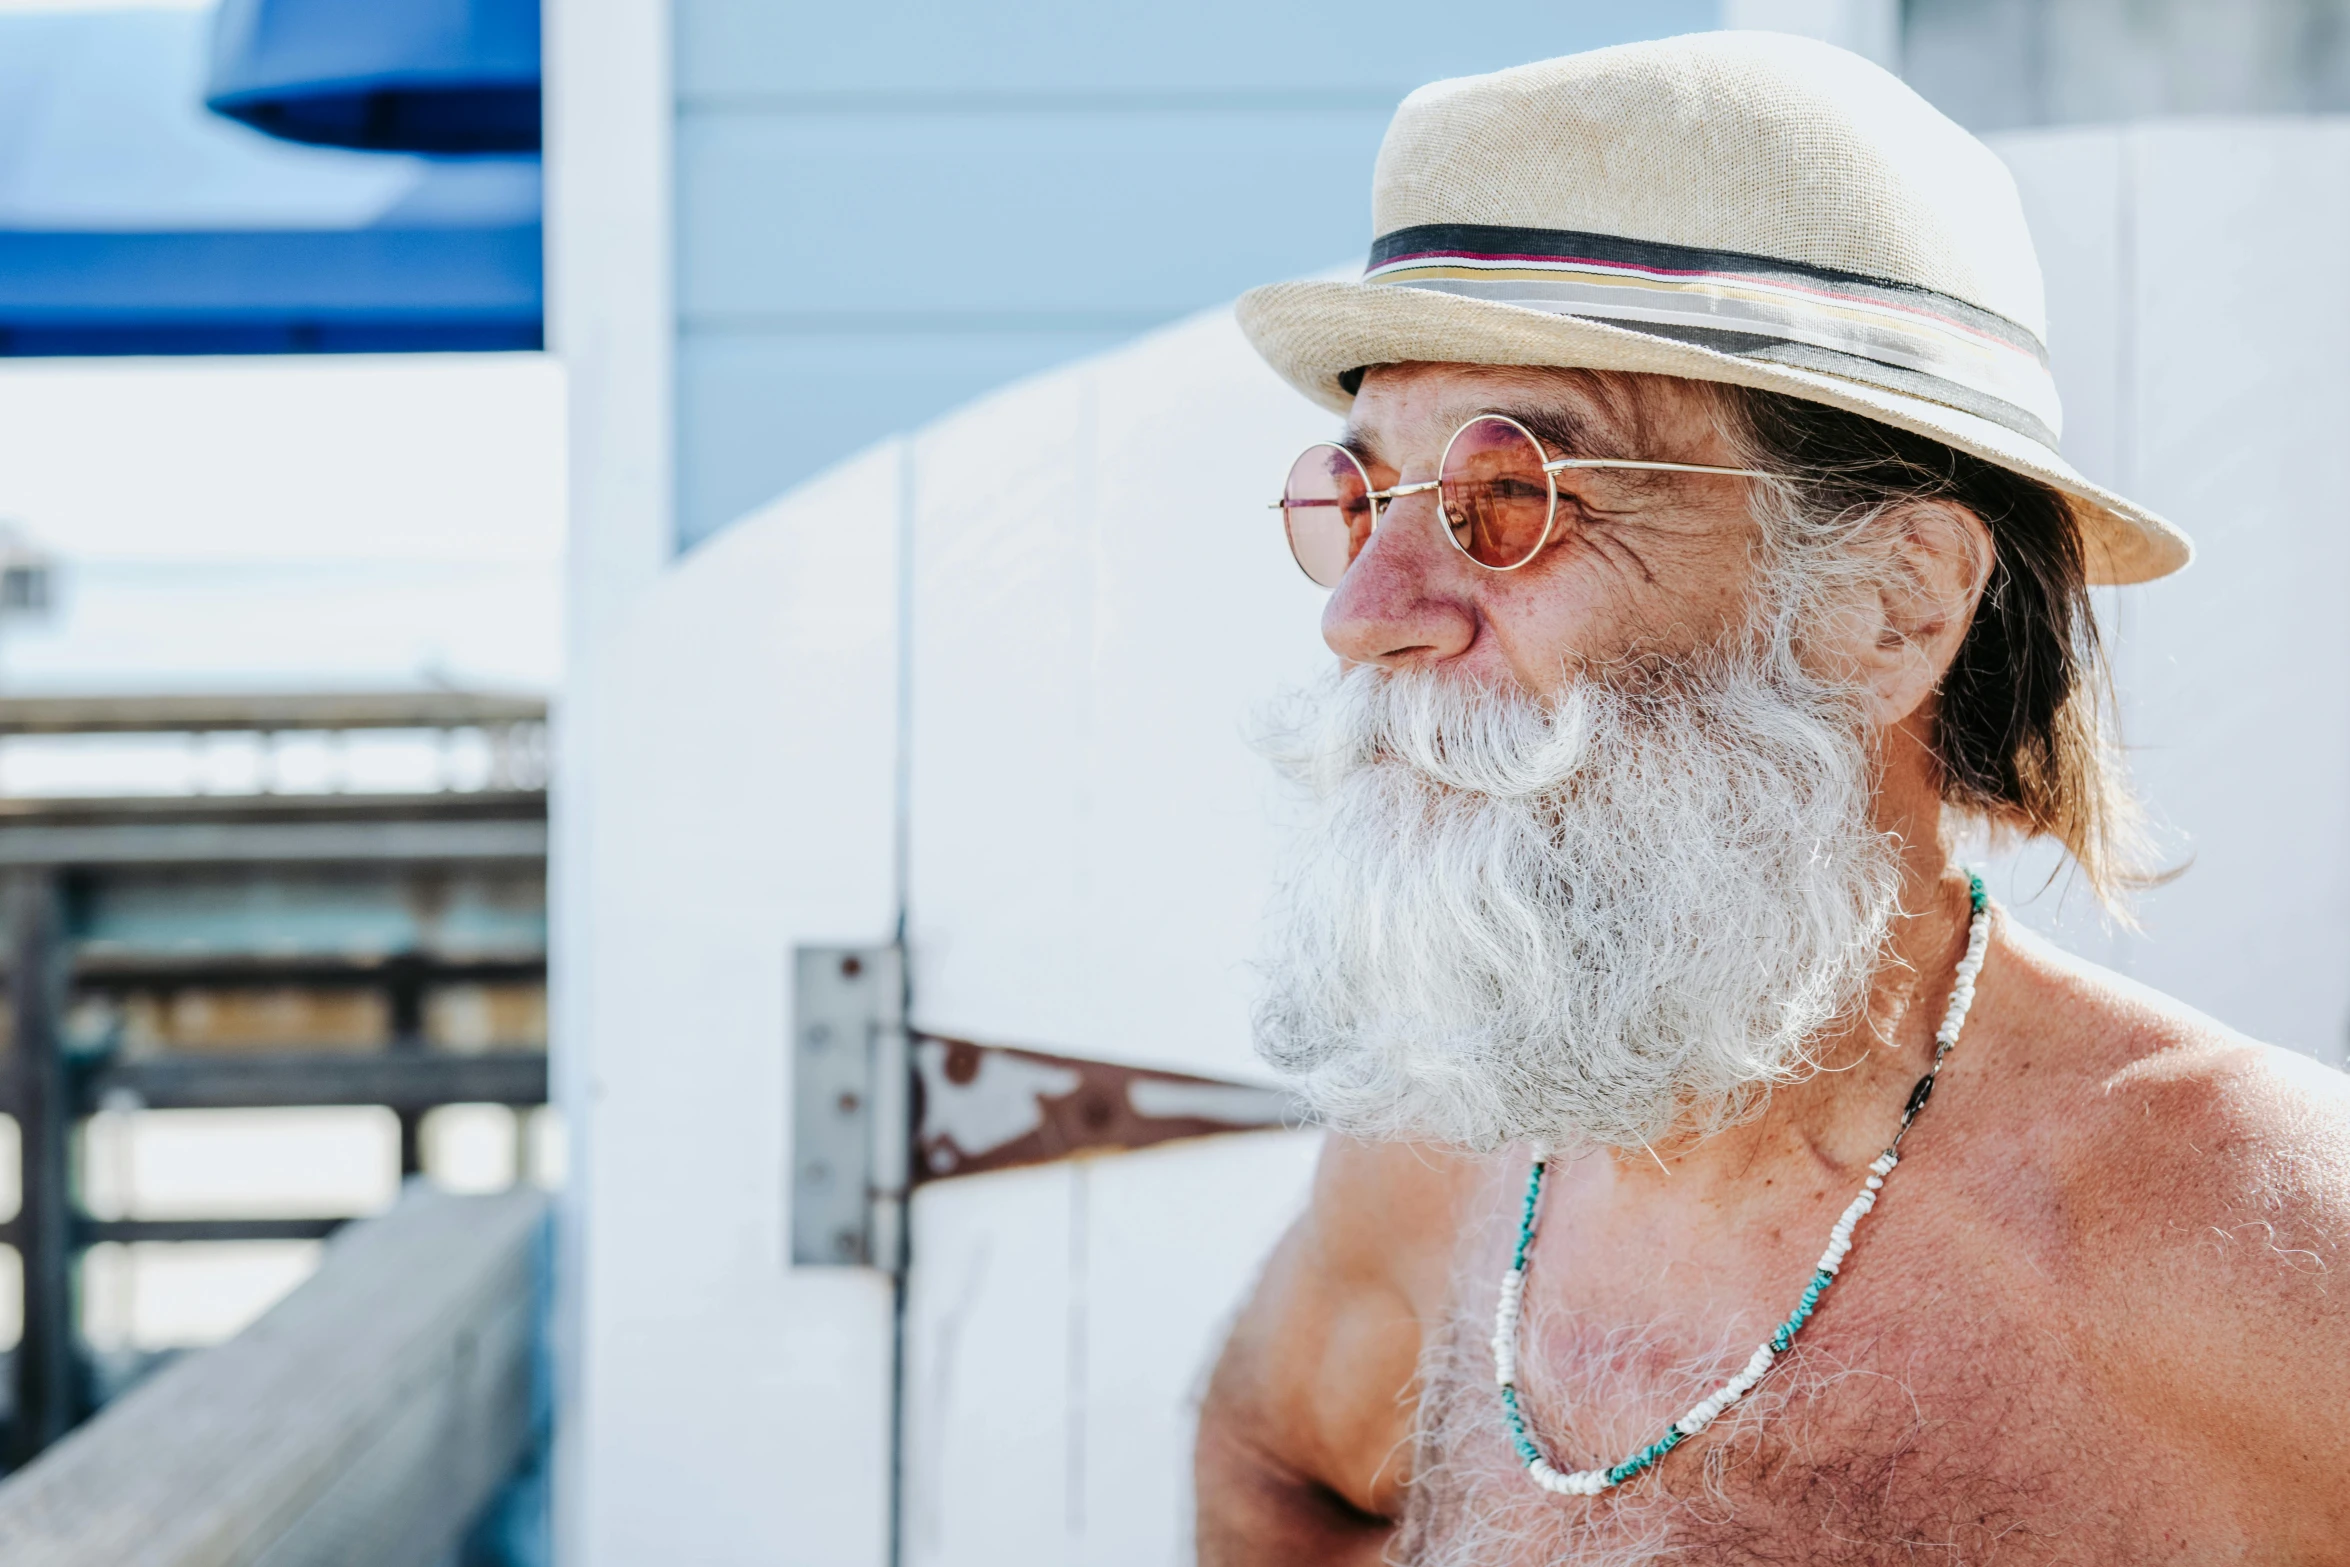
(849, 1111)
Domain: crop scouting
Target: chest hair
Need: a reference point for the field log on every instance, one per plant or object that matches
(1855, 1449)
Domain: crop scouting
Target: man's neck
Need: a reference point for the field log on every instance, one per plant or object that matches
(1840, 1116)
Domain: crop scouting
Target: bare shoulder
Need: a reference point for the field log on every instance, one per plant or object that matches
(2206, 1211)
(1380, 1234)
(1310, 1406)
(2156, 1109)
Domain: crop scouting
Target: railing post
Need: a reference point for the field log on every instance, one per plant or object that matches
(404, 991)
(50, 1391)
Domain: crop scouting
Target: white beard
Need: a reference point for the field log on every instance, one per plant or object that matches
(1591, 920)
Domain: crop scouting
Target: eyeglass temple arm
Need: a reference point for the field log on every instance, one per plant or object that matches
(1659, 467)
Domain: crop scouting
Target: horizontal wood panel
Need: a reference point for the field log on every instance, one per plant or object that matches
(1066, 220)
(1297, 53)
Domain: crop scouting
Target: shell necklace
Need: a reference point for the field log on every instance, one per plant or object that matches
(1590, 1482)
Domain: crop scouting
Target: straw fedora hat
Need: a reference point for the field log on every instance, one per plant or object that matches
(1750, 208)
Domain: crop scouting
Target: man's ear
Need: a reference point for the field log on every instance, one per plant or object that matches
(1937, 558)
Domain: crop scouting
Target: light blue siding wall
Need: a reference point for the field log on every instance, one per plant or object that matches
(885, 209)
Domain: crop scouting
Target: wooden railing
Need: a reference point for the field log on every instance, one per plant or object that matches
(69, 864)
(363, 1422)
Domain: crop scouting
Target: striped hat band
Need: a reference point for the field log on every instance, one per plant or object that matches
(1898, 336)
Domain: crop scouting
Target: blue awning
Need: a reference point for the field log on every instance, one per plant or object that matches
(132, 221)
(399, 75)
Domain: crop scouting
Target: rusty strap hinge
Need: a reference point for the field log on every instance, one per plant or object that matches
(878, 1108)
(992, 1107)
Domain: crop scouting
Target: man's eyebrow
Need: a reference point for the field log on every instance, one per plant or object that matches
(1563, 429)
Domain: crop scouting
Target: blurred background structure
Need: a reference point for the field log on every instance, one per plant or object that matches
(905, 854)
(277, 641)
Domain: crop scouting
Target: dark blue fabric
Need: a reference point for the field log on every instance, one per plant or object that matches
(270, 292)
(441, 76)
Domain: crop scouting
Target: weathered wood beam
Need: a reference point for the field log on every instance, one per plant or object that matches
(273, 843)
(91, 1232)
(363, 1422)
(115, 970)
(114, 810)
(401, 1080)
(265, 711)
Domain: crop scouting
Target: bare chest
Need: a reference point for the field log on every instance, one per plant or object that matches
(1952, 1417)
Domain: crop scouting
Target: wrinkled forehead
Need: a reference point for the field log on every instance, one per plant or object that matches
(1405, 412)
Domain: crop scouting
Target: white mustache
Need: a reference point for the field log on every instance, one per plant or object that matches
(1471, 738)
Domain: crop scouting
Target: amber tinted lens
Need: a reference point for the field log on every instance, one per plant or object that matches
(1496, 498)
(1327, 508)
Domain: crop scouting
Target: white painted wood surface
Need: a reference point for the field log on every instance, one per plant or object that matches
(362, 1422)
(611, 317)
(1867, 27)
(1059, 1331)
(1085, 816)
(733, 1410)
(2196, 383)
(1101, 600)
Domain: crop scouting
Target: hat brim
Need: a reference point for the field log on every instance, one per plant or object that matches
(1314, 332)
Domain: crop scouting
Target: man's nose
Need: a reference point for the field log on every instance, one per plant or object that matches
(1404, 601)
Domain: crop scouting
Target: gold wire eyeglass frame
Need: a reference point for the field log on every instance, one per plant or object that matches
(1551, 469)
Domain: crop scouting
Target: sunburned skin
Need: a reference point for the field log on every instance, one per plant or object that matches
(2065, 1335)
(2099, 1314)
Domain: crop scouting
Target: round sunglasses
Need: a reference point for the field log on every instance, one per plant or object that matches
(1496, 489)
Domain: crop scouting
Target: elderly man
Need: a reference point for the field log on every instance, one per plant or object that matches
(1722, 1177)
